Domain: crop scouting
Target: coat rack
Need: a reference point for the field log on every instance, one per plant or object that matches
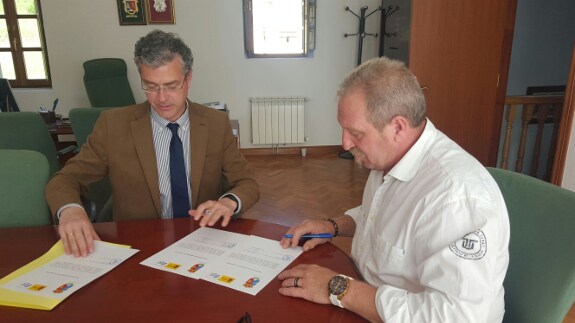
(361, 32)
(384, 14)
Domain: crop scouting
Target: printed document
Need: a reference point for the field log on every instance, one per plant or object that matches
(241, 262)
(48, 280)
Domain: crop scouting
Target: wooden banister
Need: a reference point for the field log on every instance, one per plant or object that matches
(534, 109)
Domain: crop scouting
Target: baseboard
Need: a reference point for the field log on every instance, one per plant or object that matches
(310, 150)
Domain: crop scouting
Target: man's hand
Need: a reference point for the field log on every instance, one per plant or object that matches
(76, 232)
(307, 226)
(312, 283)
(210, 212)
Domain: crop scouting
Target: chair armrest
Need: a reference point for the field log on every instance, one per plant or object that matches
(66, 150)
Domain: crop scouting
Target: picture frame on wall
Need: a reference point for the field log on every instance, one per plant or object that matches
(160, 11)
(132, 12)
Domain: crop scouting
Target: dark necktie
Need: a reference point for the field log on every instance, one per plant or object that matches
(178, 178)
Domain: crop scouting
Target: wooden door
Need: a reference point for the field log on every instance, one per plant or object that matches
(460, 51)
(565, 130)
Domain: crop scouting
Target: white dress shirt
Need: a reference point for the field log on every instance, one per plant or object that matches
(432, 236)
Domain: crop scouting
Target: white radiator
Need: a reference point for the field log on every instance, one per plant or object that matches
(278, 120)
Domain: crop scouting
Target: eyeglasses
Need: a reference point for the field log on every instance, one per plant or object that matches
(168, 89)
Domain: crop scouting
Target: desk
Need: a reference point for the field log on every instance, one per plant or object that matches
(57, 129)
(136, 293)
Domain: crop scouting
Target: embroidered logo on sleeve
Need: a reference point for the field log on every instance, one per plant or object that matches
(472, 246)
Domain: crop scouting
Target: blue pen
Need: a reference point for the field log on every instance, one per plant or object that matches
(312, 235)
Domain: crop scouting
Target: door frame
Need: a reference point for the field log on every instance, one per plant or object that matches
(565, 127)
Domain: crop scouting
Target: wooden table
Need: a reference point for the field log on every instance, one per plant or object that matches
(136, 293)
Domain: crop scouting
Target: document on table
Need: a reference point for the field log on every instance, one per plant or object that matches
(238, 261)
(48, 280)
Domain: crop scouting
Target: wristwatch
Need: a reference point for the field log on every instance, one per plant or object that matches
(338, 287)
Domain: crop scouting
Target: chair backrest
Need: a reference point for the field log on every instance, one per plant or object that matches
(107, 84)
(540, 281)
(24, 175)
(7, 100)
(82, 121)
(27, 130)
(99, 193)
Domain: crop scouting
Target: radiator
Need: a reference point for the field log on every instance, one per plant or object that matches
(278, 120)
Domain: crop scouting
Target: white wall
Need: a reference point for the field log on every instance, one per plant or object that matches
(77, 31)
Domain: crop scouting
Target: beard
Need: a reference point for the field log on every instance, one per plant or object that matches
(359, 156)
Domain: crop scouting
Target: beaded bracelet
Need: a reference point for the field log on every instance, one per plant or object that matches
(335, 226)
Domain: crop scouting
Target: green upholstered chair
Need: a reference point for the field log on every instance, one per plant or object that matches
(27, 130)
(107, 84)
(540, 281)
(99, 194)
(24, 175)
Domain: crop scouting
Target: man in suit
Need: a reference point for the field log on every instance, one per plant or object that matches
(133, 147)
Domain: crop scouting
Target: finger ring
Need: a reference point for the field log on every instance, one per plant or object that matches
(295, 279)
(208, 212)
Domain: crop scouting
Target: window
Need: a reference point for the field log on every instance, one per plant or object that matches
(23, 56)
(279, 28)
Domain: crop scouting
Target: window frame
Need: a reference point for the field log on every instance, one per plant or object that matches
(309, 21)
(11, 17)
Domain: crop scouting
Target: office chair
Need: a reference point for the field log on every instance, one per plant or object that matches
(99, 194)
(107, 84)
(7, 100)
(24, 175)
(540, 281)
(27, 130)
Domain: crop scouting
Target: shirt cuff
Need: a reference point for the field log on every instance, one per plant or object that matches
(234, 197)
(65, 206)
(355, 214)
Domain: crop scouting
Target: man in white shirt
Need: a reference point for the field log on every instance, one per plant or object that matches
(431, 236)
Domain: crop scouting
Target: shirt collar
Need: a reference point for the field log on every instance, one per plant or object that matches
(407, 167)
(183, 121)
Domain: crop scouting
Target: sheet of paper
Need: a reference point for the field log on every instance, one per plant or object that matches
(252, 266)
(189, 255)
(51, 278)
(241, 262)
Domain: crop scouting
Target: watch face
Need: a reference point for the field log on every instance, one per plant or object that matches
(337, 285)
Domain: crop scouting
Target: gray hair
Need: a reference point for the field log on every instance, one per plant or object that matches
(158, 48)
(390, 90)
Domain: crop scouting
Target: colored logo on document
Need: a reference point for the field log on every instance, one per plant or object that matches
(196, 267)
(63, 288)
(226, 279)
(250, 283)
(172, 266)
(472, 246)
(36, 287)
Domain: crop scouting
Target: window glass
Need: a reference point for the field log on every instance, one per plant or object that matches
(25, 7)
(4, 39)
(35, 69)
(7, 66)
(29, 32)
(279, 28)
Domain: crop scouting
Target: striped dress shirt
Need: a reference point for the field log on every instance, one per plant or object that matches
(162, 136)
